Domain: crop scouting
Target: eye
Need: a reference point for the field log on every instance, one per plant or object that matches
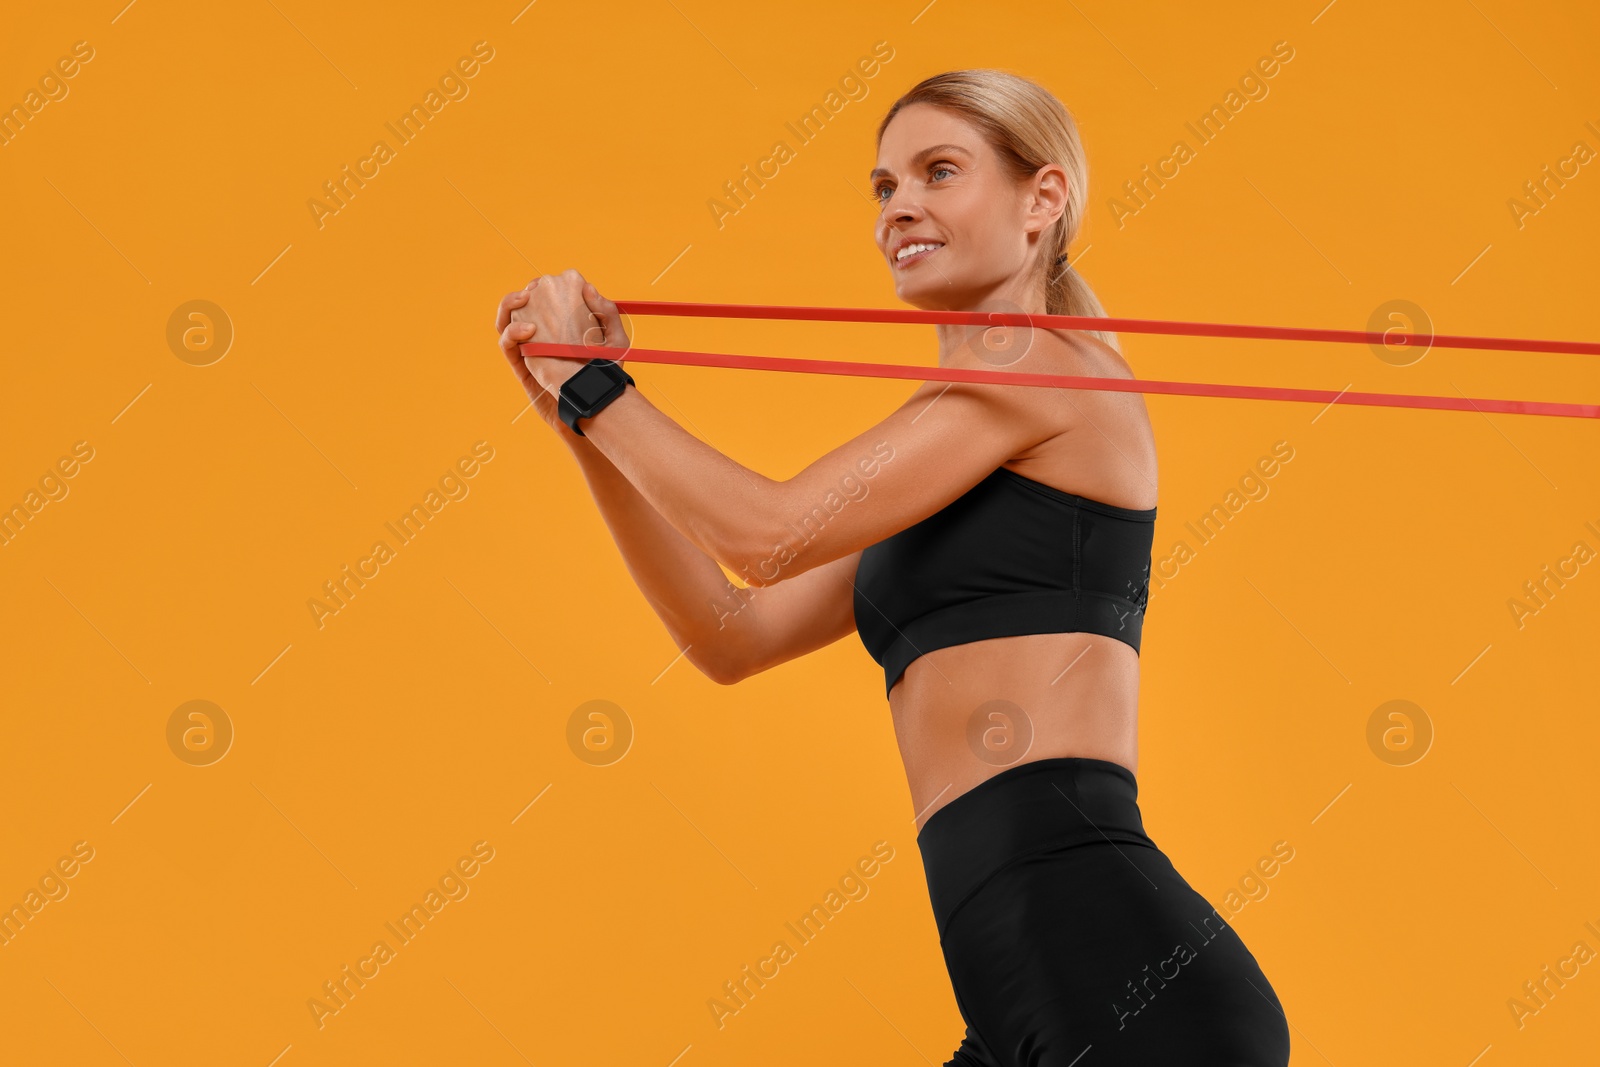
(878, 190)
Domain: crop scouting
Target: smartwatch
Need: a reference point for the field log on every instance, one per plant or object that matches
(583, 395)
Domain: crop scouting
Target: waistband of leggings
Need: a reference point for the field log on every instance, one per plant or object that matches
(1037, 806)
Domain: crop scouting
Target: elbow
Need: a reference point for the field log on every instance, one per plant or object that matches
(715, 665)
(721, 673)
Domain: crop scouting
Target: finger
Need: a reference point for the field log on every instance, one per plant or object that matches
(610, 317)
(605, 309)
(507, 302)
(512, 338)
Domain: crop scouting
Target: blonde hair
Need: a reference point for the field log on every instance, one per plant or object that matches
(1028, 128)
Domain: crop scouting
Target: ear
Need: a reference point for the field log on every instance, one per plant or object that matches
(1047, 198)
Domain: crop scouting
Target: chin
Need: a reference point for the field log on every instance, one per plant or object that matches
(925, 299)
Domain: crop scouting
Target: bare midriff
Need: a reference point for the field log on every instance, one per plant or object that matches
(965, 713)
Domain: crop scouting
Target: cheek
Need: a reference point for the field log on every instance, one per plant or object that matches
(983, 235)
(985, 218)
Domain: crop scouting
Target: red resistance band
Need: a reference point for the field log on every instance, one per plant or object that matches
(1076, 322)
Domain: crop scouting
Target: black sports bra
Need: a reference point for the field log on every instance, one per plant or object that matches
(1011, 556)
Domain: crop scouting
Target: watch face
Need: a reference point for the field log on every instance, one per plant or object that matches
(590, 385)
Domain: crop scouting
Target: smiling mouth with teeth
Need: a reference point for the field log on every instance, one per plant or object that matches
(917, 251)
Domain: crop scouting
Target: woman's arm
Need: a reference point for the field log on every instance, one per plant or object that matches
(708, 499)
(713, 501)
(685, 587)
(942, 441)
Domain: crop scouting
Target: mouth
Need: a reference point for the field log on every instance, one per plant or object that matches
(919, 253)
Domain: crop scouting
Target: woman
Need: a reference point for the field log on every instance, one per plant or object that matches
(997, 568)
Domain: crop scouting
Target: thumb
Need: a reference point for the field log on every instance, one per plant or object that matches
(610, 317)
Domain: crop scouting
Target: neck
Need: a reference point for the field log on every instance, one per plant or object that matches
(995, 345)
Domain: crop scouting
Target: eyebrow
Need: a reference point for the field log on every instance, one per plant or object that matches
(917, 159)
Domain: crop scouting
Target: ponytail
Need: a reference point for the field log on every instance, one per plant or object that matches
(1066, 293)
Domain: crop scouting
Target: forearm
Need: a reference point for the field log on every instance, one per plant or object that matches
(685, 587)
(716, 503)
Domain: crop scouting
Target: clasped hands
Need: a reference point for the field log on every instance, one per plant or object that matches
(562, 309)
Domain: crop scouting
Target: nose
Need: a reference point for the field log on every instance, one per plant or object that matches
(896, 216)
(900, 208)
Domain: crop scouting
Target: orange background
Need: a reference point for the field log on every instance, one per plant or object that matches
(372, 753)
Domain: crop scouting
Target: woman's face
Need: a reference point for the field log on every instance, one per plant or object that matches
(938, 182)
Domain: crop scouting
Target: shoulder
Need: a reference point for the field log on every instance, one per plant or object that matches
(1084, 350)
(1055, 352)
(1106, 449)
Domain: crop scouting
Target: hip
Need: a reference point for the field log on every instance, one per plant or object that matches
(1040, 807)
(1063, 926)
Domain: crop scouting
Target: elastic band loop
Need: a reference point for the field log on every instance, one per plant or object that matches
(1065, 381)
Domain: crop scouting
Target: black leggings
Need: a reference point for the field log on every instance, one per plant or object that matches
(1071, 940)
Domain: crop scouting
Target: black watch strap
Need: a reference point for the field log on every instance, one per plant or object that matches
(597, 384)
